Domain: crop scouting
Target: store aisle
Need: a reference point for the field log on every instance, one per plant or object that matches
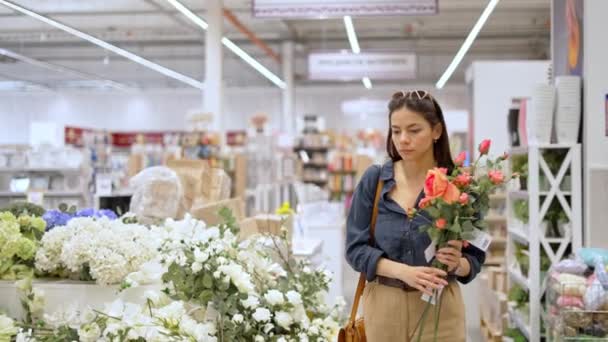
(469, 293)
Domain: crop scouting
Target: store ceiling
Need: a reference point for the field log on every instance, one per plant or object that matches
(518, 29)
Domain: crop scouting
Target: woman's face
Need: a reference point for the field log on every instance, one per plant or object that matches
(412, 135)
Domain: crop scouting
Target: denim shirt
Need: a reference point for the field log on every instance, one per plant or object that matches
(398, 237)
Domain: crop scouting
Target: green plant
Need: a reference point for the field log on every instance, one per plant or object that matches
(520, 210)
(518, 295)
(516, 335)
(24, 208)
(555, 215)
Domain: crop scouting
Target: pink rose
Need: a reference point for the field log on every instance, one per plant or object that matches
(484, 147)
(437, 185)
(496, 176)
(425, 202)
(460, 158)
(463, 180)
(464, 198)
(440, 223)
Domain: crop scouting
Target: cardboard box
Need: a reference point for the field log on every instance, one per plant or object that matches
(209, 213)
(248, 227)
(273, 223)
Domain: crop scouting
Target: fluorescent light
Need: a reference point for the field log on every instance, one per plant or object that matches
(230, 45)
(62, 69)
(133, 57)
(367, 82)
(467, 43)
(189, 14)
(255, 64)
(352, 36)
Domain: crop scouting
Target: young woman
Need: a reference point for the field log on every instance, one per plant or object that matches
(395, 266)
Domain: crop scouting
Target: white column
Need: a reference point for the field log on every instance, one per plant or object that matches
(288, 118)
(213, 63)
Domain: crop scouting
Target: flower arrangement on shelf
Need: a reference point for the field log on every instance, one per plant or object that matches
(455, 204)
(100, 249)
(215, 287)
(19, 239)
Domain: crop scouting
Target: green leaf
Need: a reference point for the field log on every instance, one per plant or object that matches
(206, 296)
(467, 226)
(433, 212)
(208, 281)
(456, 228)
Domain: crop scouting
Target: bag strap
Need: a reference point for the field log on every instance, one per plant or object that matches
(372, 229)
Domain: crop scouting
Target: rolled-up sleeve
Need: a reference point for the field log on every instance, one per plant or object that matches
(476, 258)
(360, 255)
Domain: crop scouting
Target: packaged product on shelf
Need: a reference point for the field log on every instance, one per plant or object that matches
(157, 193)
(191, 174)
(216, 185)
(209, 213)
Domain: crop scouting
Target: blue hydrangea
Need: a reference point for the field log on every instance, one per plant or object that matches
(56, 218)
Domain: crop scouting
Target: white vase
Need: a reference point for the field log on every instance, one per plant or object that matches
(540, 115)
(568, 108)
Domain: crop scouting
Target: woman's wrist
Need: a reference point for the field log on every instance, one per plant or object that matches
(463, 269)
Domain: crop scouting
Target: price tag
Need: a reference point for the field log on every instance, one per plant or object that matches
(36, 197)
(429, 252)
(432, 299)
(103, 184)
(480, 239)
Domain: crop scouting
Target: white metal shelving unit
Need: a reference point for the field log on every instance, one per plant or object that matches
(532, 234)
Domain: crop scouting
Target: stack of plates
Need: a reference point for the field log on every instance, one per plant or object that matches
(540, 114)
(568, 111)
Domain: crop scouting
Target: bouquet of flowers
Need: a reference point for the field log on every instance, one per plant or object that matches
(455, 204)
(19, 239)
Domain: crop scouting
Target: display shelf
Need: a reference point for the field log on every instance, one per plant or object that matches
(40, 170)
(312, 148)
(315, 165)
(519, 322)
(519, 278)
(539, 202)
(49, 194)
(519, 235)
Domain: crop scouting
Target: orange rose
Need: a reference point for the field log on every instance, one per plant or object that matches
(440, 223)
(425, 202)
(437, 185)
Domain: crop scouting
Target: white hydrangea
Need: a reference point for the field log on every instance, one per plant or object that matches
(274, 297)
(262, 315)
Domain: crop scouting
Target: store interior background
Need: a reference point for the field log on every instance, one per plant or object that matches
(512, 54)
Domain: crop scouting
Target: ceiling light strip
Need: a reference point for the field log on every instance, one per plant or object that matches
(467, 44)
(124, 53)
(352, 35)
(367, 82)
(62, 69)
(231, 46)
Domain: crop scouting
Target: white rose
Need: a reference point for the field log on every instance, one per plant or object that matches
(274, 297)
(217, 274)
(314, 330)
(89, 332)
(294, 297)
(25, 336)
(268, 328)
(306, 270)
(283, 319)
(303, 337)
(251, 302)
(261, 315)
(197, 267)
(281, 339)
(259, 338)
(238, 318)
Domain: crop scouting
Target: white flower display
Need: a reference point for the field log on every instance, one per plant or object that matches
(274, 297)
(238, 276)
(251, 302)
(262, 315)
(108, 249)
(238, 318)
(89, 332)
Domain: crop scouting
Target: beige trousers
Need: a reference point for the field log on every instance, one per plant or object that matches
(391, 314)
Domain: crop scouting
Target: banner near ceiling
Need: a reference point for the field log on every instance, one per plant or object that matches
(339, 8)
(348, 66)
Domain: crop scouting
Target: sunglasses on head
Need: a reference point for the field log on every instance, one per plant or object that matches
(413, 94)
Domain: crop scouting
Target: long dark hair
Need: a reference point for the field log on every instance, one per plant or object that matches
(421, 102)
